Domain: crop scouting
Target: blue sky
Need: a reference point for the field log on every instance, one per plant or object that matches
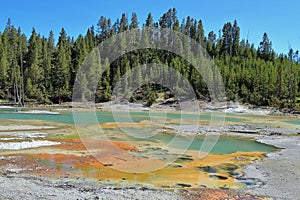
(279, 18)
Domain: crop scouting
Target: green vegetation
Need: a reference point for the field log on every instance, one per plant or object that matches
(38, 70)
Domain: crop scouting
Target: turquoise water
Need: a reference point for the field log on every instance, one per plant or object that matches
(65, 118)
(104, 117)
(227, 144)
(294, 122)
(224, 145)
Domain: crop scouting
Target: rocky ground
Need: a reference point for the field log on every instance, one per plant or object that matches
(280, 171)
(18, 187)
(29, 187)
(234, 129)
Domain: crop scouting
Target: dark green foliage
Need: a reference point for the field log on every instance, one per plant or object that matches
(36, 69)
(151, 97)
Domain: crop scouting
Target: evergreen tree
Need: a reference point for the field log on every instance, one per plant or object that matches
(61, 69)
(34, 72)
(40, 70)
(3, 67)
(200, 37)
(265, 50)
(134, 21)
(123, 26)
(235, 39)
(149, 20)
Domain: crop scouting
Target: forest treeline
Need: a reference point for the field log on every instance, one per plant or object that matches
(36, 69)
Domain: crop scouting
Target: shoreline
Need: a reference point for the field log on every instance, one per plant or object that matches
(16, 187)
(226, 107)
(279, 171)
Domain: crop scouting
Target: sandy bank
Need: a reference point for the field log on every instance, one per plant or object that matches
(280, 171)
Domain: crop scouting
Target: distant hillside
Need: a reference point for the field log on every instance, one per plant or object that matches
(35, 69)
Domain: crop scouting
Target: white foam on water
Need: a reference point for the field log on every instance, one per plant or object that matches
(26, 144)
(39, 112)
(22, 135)
(23, 127)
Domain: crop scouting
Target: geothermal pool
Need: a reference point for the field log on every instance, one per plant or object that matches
(61, 153)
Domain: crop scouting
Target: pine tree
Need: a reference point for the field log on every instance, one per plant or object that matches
(123, 26)
(34, 72)
(61, 69)
(149, 21)
(22, 50)
(134, 21)
(265, 50)
(200, 37)
(235, 39)
(40, 70)
(3, 67)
